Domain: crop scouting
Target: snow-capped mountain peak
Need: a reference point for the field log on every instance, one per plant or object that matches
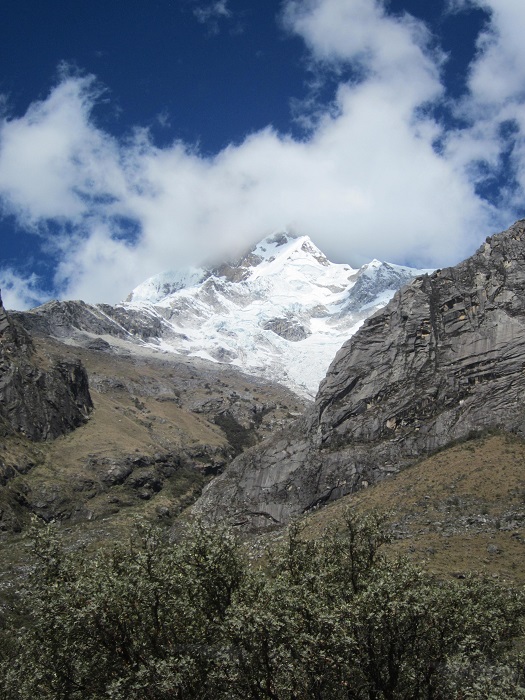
(285, 246)
(272, 256)
(281, 310)
(164, 284)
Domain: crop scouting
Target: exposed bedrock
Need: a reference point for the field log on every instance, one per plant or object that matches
(41, 397)
(445, 358)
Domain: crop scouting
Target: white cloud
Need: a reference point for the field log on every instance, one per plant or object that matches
(494, 106)
(367, 182)
(20, 291)
(498, 75)
(53, 160)
(361, 31)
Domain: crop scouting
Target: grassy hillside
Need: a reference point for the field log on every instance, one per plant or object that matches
(161, 426)
(460, 510)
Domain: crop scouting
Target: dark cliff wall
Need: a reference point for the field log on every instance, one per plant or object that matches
(39, 397)
(445, 358)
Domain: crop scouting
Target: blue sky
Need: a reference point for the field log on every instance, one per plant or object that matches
(138, 136)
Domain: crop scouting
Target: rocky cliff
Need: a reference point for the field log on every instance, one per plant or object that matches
(40, 397)
(445, 358)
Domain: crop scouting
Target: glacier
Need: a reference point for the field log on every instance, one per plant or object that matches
(281, 311)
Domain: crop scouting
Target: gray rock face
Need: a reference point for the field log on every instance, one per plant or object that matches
(62, 319)
(39, 397)
(289, 329)
(445, 358)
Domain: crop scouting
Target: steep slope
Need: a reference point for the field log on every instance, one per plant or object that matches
(458, 511)
(41, 396)
(160, 427)
(281, 311)
(444, 358)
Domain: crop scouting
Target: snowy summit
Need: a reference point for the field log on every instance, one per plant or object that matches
(281, 311)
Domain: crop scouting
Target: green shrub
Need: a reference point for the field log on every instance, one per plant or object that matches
(324, 619)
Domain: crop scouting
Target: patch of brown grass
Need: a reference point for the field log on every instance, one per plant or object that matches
(458, 511)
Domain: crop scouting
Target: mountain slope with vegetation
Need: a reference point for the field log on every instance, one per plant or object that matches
(460, 511)
(160, 427)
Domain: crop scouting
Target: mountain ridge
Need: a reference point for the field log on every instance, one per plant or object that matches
(280, 311)
(41, 396)
(444, 358)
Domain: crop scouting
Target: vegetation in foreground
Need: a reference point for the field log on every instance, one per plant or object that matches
(326, 619)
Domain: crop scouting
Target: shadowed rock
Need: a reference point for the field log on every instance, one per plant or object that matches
(39, 397)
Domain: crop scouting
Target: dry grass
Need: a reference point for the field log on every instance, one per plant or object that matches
(459, 511)
(153, 411)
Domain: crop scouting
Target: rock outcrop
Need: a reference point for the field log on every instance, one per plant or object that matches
(444, 359)
(162, 426)
(39, 397)
(76, 319)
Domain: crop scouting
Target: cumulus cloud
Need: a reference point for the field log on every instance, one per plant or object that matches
(21, 291)
(498, 74)
(53, 161)
(495, 103)
(361, 31)
(378, 175)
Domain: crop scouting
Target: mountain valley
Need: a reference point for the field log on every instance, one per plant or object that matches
(160, 427)
(441, 362)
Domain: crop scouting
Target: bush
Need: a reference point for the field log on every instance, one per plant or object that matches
(324, 619)
(132, 622)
